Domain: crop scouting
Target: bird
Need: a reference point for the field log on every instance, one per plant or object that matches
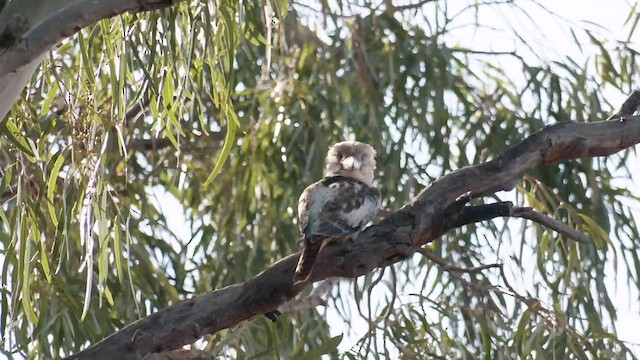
(338, 206)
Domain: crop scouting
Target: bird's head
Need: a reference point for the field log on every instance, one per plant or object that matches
(351, 159)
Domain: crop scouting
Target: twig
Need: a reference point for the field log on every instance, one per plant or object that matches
(149, 144)
(410, 6)
(628, 107)
(446, 266)
(162, 142)
(542, 219)
(322, 10)
(483, 52)
(529, 301)
(136, 110)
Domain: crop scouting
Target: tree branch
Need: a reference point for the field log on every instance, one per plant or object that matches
(406, 7)
(628, 107)
(395, 238)
(29, 29)
(162, 142)
(561, 228)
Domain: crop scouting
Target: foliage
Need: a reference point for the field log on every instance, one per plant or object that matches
(220, 113)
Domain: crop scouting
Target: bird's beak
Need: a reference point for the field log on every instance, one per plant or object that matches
(351, 163)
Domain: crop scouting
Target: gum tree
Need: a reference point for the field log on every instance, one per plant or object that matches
(152, 154)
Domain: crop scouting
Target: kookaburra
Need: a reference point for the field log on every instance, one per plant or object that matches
(340, 205)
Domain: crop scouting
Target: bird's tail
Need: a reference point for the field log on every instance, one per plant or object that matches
(307, 259)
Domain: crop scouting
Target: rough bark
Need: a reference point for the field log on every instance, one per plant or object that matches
(434, 211)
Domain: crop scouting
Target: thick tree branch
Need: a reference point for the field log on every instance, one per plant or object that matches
(30, 28)
(397, 237)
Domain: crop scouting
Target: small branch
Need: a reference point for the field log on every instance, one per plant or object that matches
(559, 227)
(628, 107)
(149, 144)
(529, 301)
(447, 266)
(484, 52)
(477, 213)
(406, 7)
(161, 143)
(322, 10)
(454, 270)
(9, 193)
(136, 110)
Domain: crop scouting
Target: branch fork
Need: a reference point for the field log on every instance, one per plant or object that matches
(433, 212)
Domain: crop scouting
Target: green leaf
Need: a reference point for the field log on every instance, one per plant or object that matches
(44, 261)
(599, 236)
(117, 249)
(521, 335)
(52, 186)
(226, 149)
(108, 295)
(11, 132)
(327, 347)
(25, 280)
(54, 90)
(4, 219)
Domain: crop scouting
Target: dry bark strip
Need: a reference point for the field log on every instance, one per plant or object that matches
(434, 211)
